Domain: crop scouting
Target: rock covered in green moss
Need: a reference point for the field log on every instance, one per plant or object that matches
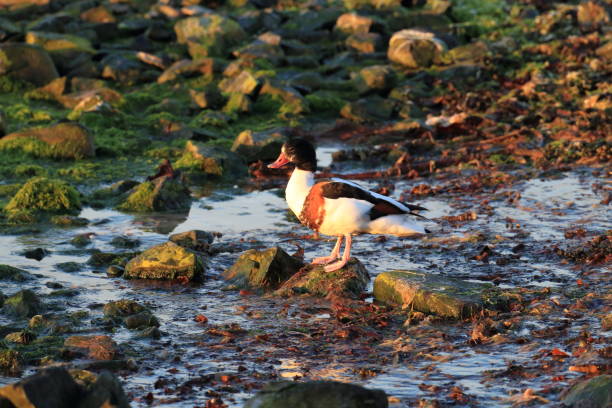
(244, 83)
(414, 48)
(27, 62)
(66, 140)
(22, 304)
(67, 51)
(376, 78)
(266, 269)
(69, 221)
(209, 34)
(317, 394)
(264, 145)
(187, 68)
(109, 258)
(41, 195)
(436, 294)
(215, 161)
(8, 272)
(349, 281)
(131, 314)
(10, 363)
(162, 194)
(591, 393)
(122, 308)
(196, 240)
(166, 261)
(369, 109)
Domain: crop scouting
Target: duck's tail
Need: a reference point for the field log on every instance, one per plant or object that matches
(397, 224)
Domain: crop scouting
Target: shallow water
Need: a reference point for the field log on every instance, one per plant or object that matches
(257, 219)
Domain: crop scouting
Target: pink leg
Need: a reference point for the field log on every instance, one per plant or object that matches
(345, 256)
(332, 257)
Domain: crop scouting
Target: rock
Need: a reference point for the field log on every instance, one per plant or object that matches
(592, 15)
(473, 52)
(114, 271)
(266, 269)
(28, 63)
(261, 49)
(238, 103)
(20, 337)
(105, 392)
(244, 83)
(317, 394)
(209, 98)
(352, 23)
(8, 272)
(122, 308)
(22, 304)
(124, 69)
(43, 195)
(187, 68)
(211, 34)
(82, 240)
(414, 48)
(99, 15)
(606, 321)
(105, 258)
(349, 281)
(67, 140)
(591, 393)
(264, 145)
(69, 267)
(125, 242)
(131, 314)
(36, 253)
(69, 221)
(95, 347)
(365, 43)
(166, 261)
(369, 109)
(435, 294)
(10, 363)
(49, 388)
(195, 239)
(66, 50)
(211, 161)
(162, 194)
(376, 78)
(140, 320)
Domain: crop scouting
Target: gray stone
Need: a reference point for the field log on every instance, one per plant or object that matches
(591, 393)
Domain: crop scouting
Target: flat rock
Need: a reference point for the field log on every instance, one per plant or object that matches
(591, 393)
(317, 394)
(349, 281)
(435, 294)
(95, 347)
(166, 261)
(266, 269)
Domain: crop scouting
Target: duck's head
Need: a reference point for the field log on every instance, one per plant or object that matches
(299, 152)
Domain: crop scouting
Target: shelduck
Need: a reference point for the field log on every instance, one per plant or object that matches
(339, 207)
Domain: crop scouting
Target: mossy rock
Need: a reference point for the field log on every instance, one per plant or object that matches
(43, 195)
(67, 140)
(317, 394)
(162, 194)
(436, 294)
(8, 272)
(368, 110)
(208, 35)
(10, 363)
(27, 63)
(266, 269)
(122, 308)
(376, 78)
(591, 393)
(349, 281)
(238, 103)
(22, 304)
(166, 261)
(196, 240)
(69, 221)
(243, 83)
(255, 146)
(106, 258)
(211, 161)
(414, 48)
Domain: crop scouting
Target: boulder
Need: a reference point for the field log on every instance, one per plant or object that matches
(124, 69)
(165, 193)
(105, 392)
(49, 388)
(8, 272)
(365, 43)
(349, 281)
(414, 48)
(166, 261)
(95, 347)
(66, 50)
(376, 78)
(66, 140)
(264, 145)
(436, 294)
(43, 195)
(22, 304)
(317, 394)
(591, 393)
(211, 161)
(244, 83)
(352, 23)
(266, 269)
(210, 34)
(369, 109)
(122, 308)
(196, 240)
(27, 62)
(125, 242)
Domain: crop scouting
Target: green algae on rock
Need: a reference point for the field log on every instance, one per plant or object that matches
(43, 195)
(196, 240)
(591, 393)
(210, 34)
(215, 161)
(166, 261)
(27, 62)
(8, 272)
(349, 281)
(435, 294)
(162, 194)
(266, 269)
(67, 140)
(320, 394)
(255, 146)
(22, 304)
(10, 363)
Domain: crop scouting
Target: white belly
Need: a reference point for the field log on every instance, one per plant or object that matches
(345, 216)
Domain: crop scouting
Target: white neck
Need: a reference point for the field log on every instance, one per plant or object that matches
(299, 186)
